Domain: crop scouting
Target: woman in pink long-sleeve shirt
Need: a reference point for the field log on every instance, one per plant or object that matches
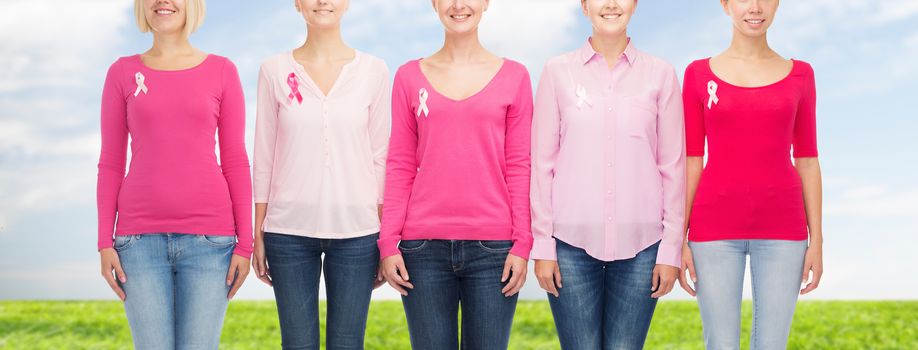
(177, 215)
(608, 184)
(456, 221)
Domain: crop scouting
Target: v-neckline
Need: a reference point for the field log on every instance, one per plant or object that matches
(301, 71)
(500, 70)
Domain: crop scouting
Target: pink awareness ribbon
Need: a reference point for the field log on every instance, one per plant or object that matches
(294, 88)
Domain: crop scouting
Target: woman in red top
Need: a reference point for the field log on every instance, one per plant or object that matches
(752, 107)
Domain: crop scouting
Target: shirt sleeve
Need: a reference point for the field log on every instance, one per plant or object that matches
(265, 136)
(113, 154)
(546, 143)
(380, 126)
(805, 121)
(233, 158)
(401, 169)
(671, 164)
(694, 114)
(517, 145)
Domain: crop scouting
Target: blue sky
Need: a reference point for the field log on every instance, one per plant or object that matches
(55, 54)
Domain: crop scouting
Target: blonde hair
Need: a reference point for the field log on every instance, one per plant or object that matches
(194, 16)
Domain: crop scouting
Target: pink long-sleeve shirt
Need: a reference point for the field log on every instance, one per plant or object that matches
(608, 157)
(459, 170)
(174, 184)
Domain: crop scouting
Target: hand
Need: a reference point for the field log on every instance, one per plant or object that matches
(688, 265)
(111, 262)
(549, 275)
(394, 272)
(514, 269)
(238, 270)
(259, 262)
(663, 280)
(812, 263)
(380, 280)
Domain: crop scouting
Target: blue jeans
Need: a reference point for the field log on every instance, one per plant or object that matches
(603, 304)
(176, 288)
(350, 266)
(720, 266)
(445, 272)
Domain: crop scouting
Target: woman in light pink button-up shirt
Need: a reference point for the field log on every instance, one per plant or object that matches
(321, 139)
(608, 184)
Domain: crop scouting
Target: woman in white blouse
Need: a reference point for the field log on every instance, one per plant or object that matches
(321, 140)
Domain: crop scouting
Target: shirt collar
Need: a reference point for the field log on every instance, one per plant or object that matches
(587, 53)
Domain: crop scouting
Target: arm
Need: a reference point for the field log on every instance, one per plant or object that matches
(112, 159)
(807, 165)
(401, 169)
(113, 155)
(517, 145)
(265, 143)
(671, 164)
(694, 148)
(233, 158)
(546, 142)
(380, 125)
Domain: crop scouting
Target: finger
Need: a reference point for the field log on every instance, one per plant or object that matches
(120, 272)
(231, 273)
(557, 276)
(510, 283)
(378, 283)
(507, 267)
(114, 285)
(403, 271)
(266, 278)
(396, 277)
(691, 271)
(654, 280)
(806, 272)
(813, 284)
(549, 285)
(235, 287)
(683, 281)
(397, 288)
(516, 289)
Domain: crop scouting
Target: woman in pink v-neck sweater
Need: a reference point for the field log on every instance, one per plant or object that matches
(455, 227)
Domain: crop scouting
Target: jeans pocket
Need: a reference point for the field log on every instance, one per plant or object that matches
(218, 241)
(124, 242)
(412, 245)
(502, 246)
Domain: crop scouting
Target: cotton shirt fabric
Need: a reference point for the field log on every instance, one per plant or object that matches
(459, 169)
(320, 160)
(175, 184)
(608, 159)
(749, 189)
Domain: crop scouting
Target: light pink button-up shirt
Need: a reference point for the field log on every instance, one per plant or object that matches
(608, 157)
(320, 160)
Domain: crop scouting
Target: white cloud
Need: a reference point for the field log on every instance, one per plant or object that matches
(532, 33)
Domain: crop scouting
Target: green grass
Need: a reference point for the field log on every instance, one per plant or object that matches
(253, 325)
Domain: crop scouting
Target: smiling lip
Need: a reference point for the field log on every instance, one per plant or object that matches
(755, 22)
(323, 12)
(611, 16)
(460, 18)
(164, 11)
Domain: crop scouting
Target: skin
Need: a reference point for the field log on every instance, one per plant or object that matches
(171, 51)
(460, 69)
(750, 62)
(323, 56)
(609, 19)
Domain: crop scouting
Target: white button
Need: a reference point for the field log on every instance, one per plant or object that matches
(610, 218)
(609, 191)
(610, 109)
(608, 137)
(610, 164)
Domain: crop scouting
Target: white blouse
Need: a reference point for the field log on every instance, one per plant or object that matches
(320, 161)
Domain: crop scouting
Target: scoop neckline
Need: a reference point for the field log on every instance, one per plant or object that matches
(140, 61)
(500, 70)
(794, 64)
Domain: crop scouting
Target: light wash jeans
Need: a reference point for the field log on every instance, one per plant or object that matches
(776, 267)
(176, 288)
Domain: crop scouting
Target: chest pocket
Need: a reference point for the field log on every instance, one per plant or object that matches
(637, 115)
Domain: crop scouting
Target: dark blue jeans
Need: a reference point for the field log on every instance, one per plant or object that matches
(443, 274)
(350, 269)
(603, 305)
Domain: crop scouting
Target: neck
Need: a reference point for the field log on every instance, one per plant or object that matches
(170, 44)
(463, 47)
(610, 46)
(749, 47)
(324, 43)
